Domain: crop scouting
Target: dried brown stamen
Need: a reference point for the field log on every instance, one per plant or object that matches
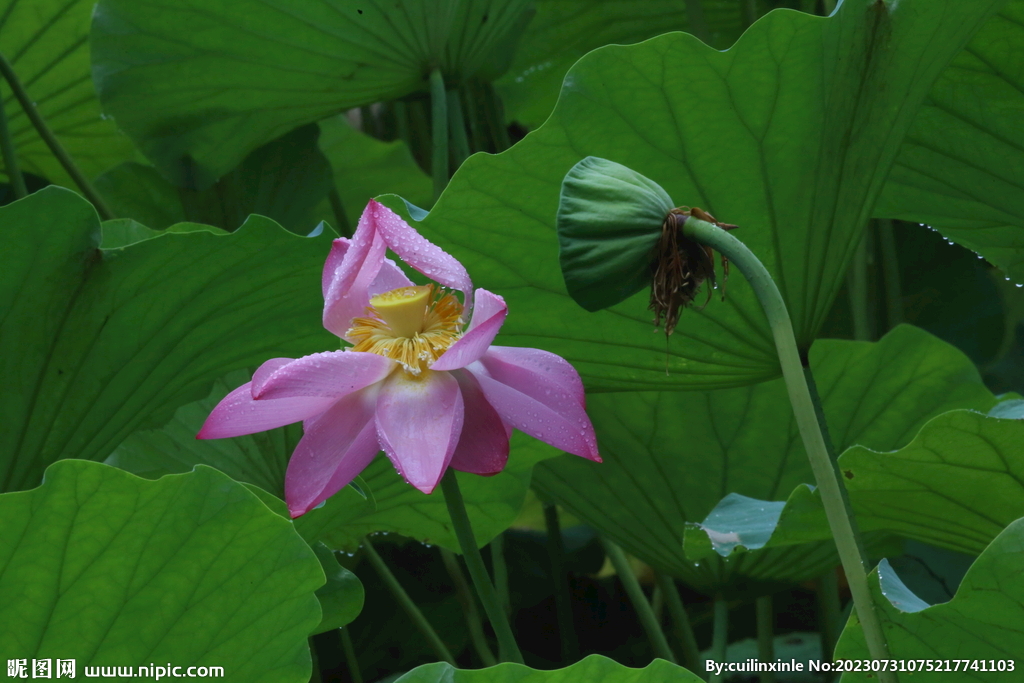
(680, 267)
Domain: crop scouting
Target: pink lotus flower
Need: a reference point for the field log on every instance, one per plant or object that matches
(414, 382)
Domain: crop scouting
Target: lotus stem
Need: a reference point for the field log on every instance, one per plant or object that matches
(508, 649)
(407, 604)
(695, 20)
(563, 606)
(464, 594)
(687, 639)
(639, 600)
(438, 132)
(891, 273)
(10, 155)
(829, 484)
(500, 570)
(58, 151)
(719, 636)
(334, 198)
(350, 656)
(765, 635)
(457, 129)
(829, 612)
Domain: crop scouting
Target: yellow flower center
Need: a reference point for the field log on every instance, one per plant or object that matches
(413, 325)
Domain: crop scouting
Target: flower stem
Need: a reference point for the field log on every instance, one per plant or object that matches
(857, 286)
(563, 606)
(765, 635)
(58, 151)
(719, 635)
(687, 639)
(438, 132)
(829, 612)
(891, 273)
(508, 649)
(464, 594)
(640, 604)
(829, 484)
(457, 128)
(10, 155)
(350, 656)
(497, 547)
(403, 599)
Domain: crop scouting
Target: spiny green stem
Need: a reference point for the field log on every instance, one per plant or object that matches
(334, 198)
(765, 635)
(464, 594)
(438, 132)
(829, 612)
(563, 606)
(350, 656)
(857, 286)
(687, 639)
(719, 636)
(457, 128)
(58, 151)
(639, 600)
(891, 273)
(829, 484)
(407, 604)
(695, 20)
(500, 570)
(10, 155)
(509, 650)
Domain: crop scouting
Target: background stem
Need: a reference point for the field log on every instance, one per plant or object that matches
(687, 639)
(509, 650)
(829, 484)
(344, 229)
(438, 132)
(51, 141)
(457, 129)
(350, 656)
(695, 20)
(891, 272)
(720, 636)
(563, 606)
(10, 155)
(469, 611)
(640, 604)
(407, 604)
(829, 613)
(765, 635)
(500, 570)
(857, 286)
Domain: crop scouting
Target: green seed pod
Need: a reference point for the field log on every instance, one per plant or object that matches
(609, 223)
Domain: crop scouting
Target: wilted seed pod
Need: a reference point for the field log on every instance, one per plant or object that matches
(618, 233)
(609, 222)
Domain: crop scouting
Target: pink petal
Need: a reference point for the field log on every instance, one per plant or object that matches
(419, 421)
(418, 252)
(334, 260)
(483, 443)
(336, 447)
(266, 370)
(348, 293)
(390, 275)
(535, 398)
(488, 318)
(543, 367)
(331, 374)
(238, 413)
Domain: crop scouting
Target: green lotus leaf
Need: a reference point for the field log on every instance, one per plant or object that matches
(671, 457)
(198, 85)
(108, 569)
(47, 44)
(593, 669)
(959, 169)
(793, 148)
(96, 344)
(341, 598)
(609, 221)
(980, 624)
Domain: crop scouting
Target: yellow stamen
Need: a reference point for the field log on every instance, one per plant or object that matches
(413, 325)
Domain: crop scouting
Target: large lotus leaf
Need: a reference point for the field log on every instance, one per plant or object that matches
(384, 502)
(108, 569)
(982, 622)
(199, 84)
(285, 179)
(669, 457)
(960, 166)
(565, 30)
(95, 344)
(789, 134)
(956, 485)
(47, 43)
(341, 598)
(365, 167)
(593, 669)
